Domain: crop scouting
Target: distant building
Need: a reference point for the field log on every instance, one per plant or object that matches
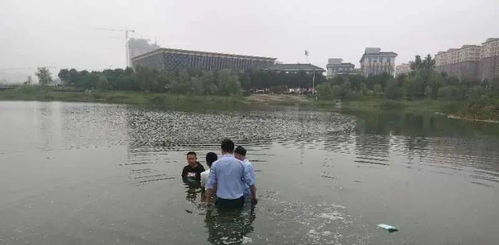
(295, 68)
(173, 59)
(335, 66)
(403, 68)
(375, 62)
(471, 61)
(489, 60)
(462, 62)
(138, 46)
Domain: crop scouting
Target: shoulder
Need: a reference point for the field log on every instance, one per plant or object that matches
(233, 159)
(217, 162)
(199, 164)
(204, 174)
(246, 162)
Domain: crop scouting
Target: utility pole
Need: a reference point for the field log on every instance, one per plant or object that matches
(313, 84)
(313, 75)
(127, 50)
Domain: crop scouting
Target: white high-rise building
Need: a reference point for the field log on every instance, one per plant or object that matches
(375, 62)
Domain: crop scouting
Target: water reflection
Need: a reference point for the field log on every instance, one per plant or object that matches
(192, 190)
(323, 176)
(230, 226)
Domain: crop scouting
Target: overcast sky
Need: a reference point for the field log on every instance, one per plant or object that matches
(63, 33)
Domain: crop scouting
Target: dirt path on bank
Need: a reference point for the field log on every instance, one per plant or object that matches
(277, 99)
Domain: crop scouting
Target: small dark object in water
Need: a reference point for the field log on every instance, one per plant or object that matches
(188, 211)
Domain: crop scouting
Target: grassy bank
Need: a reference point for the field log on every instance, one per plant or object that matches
(475, 110)
(122, 97)
(481, 109)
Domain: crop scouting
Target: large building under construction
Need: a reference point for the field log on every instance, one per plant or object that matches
(174, 59)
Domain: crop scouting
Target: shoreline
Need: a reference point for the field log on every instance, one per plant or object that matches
(449, 109)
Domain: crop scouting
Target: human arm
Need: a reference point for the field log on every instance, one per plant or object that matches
(211, 184)
(204, 179)
(184, 172)
(250, 180)
(254, 200)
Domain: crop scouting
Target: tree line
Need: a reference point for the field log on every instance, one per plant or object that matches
(222, 82)
(423, 82)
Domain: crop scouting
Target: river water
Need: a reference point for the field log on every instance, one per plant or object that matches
(83, 173)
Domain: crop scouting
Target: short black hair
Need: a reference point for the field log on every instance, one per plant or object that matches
(191, 153)
(210, 158)
(227, 145)
(240, 150)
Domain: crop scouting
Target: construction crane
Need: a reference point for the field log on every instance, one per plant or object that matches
(126, 31)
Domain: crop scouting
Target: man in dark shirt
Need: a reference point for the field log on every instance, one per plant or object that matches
(192, 172)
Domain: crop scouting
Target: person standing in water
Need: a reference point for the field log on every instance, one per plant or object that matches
(226, 180)
(210, 158)
(240, 154)
(192, 172)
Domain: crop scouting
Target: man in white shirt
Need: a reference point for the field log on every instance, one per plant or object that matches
(210, 158)
(240, 154)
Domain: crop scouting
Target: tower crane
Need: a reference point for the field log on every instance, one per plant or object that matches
(126, 31)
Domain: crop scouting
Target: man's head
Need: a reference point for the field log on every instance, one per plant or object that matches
(192, 158)
(210, 158)
(240, 153)
(227, 146)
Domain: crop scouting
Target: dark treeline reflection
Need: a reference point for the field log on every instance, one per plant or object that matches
(426, 138)
(415, 124)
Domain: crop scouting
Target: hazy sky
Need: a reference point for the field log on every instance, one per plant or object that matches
(63, 33)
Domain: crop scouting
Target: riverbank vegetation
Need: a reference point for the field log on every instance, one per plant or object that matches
(469, 98)
(423, 89)
(189, 82)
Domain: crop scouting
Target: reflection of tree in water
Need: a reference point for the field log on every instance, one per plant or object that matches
(372, 149)
(229, 226)
(416, 147)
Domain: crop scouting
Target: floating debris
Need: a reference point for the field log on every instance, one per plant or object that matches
(389, 228)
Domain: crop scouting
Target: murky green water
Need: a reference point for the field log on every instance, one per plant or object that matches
(76, 173)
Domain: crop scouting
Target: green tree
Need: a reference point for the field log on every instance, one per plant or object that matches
(495, 84)
(44, 76)
(422, 72)
(228, 82)
(148, 79)
(181, 82)
(325, 91)
(392, 90)
(102, 82)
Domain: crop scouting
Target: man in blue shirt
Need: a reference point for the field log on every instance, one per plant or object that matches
(228, 178)
(240, 154)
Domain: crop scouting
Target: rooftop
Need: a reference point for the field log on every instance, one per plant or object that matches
(339, 64)
(376, 52)
(200, 53)
(294, 67)
(491, 40)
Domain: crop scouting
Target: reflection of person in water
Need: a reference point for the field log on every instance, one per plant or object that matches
(229, 226)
